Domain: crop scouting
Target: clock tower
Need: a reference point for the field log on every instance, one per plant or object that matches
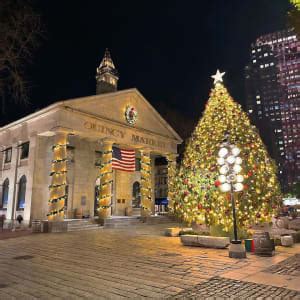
(107, 75)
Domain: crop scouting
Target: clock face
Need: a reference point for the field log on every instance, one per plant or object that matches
(131, 115)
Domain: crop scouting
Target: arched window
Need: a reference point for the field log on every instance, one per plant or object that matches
(4, 198)
(136, 194)
(21, 193)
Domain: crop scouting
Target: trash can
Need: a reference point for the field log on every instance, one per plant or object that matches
(249, 245)
(36, 226)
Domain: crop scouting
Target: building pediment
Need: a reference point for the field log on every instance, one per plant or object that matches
(112, 107)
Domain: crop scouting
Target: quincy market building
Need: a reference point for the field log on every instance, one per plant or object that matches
(87, 125)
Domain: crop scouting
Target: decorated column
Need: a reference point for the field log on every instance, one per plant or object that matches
(146, 183)
(171, 158)
(58, 175)
(106, 180)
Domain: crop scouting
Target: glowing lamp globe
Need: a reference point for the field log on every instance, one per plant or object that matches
(230, 159)
(223, 152)
(221, 161)
(237, 169)
(224, 170)
(235, 151)
(238, 161)
(225, 187)
(238, 187)
(239, 178)
(222, 178)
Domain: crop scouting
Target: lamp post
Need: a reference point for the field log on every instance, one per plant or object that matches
(231, 181)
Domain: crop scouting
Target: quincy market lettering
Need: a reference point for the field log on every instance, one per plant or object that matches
(121, 134)
(104, 129)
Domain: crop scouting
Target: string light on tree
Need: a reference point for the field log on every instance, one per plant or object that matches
(198, 197)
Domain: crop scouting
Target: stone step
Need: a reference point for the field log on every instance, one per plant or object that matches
(121, 222)
(84, 227)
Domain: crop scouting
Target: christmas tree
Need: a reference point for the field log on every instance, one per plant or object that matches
(198, 198)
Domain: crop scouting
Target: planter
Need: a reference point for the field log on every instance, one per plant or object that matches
(205, 241)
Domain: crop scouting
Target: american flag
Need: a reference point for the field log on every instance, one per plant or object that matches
(123, 160)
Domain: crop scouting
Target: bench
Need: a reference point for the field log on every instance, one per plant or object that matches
(205, 241)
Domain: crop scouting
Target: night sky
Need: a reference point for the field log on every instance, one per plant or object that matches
(167, 49)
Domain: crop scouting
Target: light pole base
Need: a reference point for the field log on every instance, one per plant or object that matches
(237, 250)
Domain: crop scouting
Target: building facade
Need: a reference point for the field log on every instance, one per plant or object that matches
(273, 99)
(56, 163)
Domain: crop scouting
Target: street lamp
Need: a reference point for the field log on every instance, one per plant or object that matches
(231, 181)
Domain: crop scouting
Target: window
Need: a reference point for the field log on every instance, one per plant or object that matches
(4, 197)
(7, 155)
(21, 193)
(24, 150)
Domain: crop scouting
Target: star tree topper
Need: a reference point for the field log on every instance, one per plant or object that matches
(218, 77)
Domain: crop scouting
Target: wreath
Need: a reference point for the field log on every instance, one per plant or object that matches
(131, 115)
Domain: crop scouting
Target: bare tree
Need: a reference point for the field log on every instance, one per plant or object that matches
(20, 31)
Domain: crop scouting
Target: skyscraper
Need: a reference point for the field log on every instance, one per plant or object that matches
(273, 99)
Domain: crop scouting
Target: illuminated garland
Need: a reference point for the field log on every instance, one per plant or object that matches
(104, 188)
(171, 182)
(146, 184)
(58, 174)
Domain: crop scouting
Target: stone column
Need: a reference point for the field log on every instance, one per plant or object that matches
(58, 175)
(171, 158)
(106, 180)
(146, 184)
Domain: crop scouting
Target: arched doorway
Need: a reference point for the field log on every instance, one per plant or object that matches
(136, 195)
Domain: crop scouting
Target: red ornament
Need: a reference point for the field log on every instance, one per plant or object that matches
(258, 215)
(217, 183)
(185, 193)
(185, 181)
(246, 187)
(250, 173)
(200, 206)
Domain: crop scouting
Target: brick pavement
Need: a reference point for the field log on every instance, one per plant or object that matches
(218, 287)
(135, 262)
(289, 266)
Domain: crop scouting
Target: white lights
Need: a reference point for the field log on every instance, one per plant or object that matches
(223, 152)
(237, 169)
(221, 161)
(238, 187)
(239, 178)
(230, 167)
(222, 178)
(235, 151)
(224, 169)
(230, 159)
(225, 187)
(238, 161)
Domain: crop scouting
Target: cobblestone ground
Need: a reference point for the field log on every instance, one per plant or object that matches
(290, 266)
(218, 287)
(136, 262)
